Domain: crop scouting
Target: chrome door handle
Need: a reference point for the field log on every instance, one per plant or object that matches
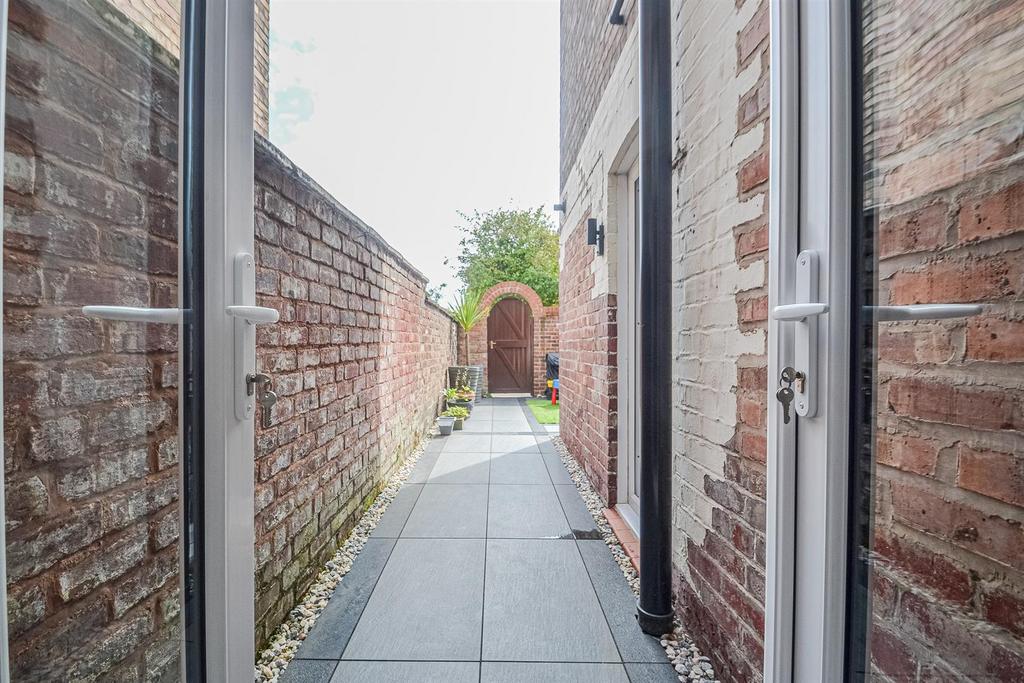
(170, 316)
(922, 311)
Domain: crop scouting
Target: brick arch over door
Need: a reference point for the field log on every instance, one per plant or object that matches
(545, 330)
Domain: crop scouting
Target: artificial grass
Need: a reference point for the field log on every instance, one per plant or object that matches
(542, 409)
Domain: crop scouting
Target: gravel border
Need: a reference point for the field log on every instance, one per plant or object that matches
(285, 642)
(680, 649)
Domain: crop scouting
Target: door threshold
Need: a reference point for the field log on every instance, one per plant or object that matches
(511, 395)
(630, 516)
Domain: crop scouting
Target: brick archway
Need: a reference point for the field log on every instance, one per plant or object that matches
(545, 334)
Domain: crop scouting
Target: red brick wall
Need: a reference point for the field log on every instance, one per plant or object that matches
(358, 360)
(948, 192)
(90, 407)
(545, 330)
(587, 372)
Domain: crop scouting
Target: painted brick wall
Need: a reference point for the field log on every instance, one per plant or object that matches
(590, 48)
(161, 20)
(948, 193)
(358, 360)
(720, 99)
(545, 331)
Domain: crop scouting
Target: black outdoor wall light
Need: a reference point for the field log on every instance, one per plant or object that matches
(595, 235)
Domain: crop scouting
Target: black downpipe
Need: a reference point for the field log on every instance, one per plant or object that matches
(654, 610)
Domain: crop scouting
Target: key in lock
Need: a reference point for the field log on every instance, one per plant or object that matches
(260, 384)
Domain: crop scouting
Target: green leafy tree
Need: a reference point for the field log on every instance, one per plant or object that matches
(520, 245)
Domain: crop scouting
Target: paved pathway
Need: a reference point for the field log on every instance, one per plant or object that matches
(487, 567)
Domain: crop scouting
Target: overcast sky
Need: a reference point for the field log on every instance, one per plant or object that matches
(409, 112)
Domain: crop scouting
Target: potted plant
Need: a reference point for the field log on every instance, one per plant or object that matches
(445, 424)
(460, 415)
(454, 399)
(467, 312)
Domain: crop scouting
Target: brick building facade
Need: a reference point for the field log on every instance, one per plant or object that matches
(92, 478)
(948, 454)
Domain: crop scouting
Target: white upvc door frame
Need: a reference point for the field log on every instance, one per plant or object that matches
(627, 170)
(229, 442)
(810, 210)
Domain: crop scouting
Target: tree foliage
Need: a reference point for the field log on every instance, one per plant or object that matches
(519, 245)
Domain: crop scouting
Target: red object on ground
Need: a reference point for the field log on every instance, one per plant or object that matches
(554, 392)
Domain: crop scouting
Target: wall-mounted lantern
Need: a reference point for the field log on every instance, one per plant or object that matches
(616, 17)
(595, 235)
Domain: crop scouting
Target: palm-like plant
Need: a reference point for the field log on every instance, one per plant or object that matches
(467, 311)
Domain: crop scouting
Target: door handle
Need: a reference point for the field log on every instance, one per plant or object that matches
(492, 344)
(794, 312)
(169, 316)
(804, 314)
(922, 312)
(254, 315)
(247, 316)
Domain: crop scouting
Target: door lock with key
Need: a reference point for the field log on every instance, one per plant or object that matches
(261, 385)
(785, 393)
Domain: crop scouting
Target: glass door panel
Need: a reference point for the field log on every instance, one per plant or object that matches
(94, 438)
(935, 577)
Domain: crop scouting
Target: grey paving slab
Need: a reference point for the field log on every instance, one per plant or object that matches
(308, 671)
(556, 468)
(619, 605)
(651, 673)
(525, 511)
(393, 519)
(406, 672)
(467, 443)
(477, 425)
(511, 426)
(461, 468)
(510, 411)
(532, 672)
(449, 511)
(434, 444)
(576, 513)
(540, 605)
(519, 468)
(514, 443)
(545, 443)
(332, 630)
(423, 466)
(427, 604)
